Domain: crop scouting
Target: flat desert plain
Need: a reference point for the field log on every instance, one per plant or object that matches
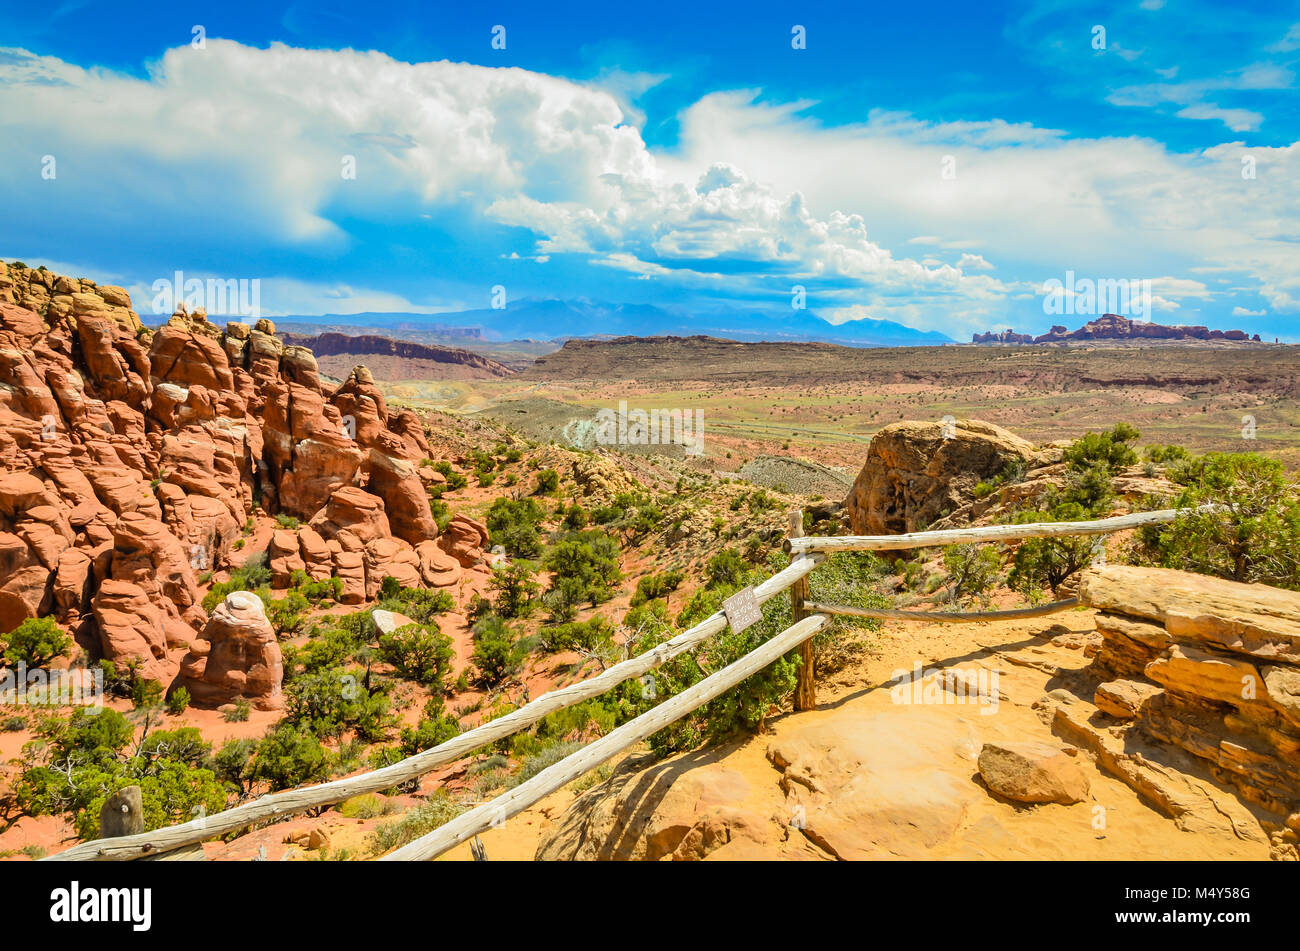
(824, 402)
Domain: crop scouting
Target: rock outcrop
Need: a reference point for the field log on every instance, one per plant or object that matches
(1205, 665)
(465, 540)
(919, 472)
(1116, 327)
(695, 817)
(131, 458)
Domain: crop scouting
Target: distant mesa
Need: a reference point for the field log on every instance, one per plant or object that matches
(1115, 327)
(335, 344)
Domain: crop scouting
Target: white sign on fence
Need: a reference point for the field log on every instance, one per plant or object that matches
(742, 609)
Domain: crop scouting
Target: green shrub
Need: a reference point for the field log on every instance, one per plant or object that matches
(435, 811)
(327, 589)
(178, 701)
(725, 568)
(83, 759)
(249, 576)
(367, 806)
(585, 567)
(656, 586)
(548, 482)
(290, 756)
(333, 702)
(972, 571)
(232, 764)
(1253, 537)
(1166, 454)
(1109, 449)
(434, 728)
(516, 590)
(441, 512)
(1047, 562)
(238, 712)
(328, 647)
(419, 604)
(146, 693)
(288, 614)
(575, 518)
(589, 636)
(496, 651)
(419, 652)
(515, 525)
(35, 642)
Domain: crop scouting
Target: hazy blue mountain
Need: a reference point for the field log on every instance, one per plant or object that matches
(551, 318)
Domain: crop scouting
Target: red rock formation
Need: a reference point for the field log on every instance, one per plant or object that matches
(465, 540)
(236, 657)
(130, 627)
(396, 481)
(1116, 327)
(131, 459)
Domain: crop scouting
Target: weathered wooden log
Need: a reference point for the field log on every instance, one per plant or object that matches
(986, 533)
(805, 690)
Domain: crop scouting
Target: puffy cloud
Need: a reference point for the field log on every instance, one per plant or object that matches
(246, 154)
(1115, 207)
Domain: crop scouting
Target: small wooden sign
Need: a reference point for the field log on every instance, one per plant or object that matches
(742, 609)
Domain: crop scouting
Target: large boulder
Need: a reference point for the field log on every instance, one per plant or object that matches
(355, 511)
(919, 472)
(236, 657)
(284, 558)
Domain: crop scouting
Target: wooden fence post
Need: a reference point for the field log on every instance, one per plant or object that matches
(805, 692)
(122, 813)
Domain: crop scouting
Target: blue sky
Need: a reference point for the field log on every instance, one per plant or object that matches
(933, 166)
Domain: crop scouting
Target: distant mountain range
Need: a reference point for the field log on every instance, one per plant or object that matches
(554, 319)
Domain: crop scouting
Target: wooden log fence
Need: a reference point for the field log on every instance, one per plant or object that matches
(987, 533)
(809, 617)
(292, 801)
(469, 824)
